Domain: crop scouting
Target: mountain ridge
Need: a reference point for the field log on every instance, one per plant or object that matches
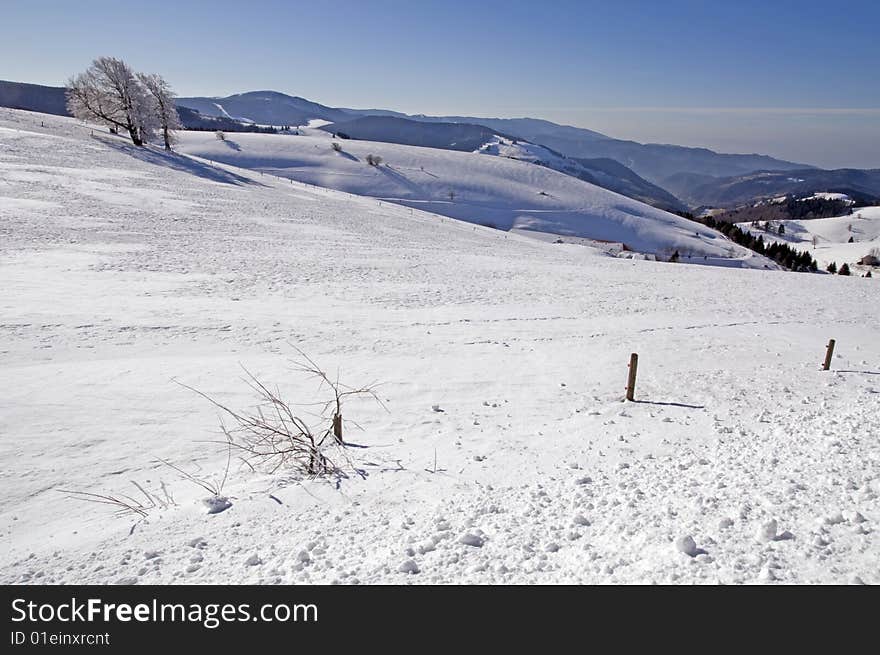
(860, 184)
(654, 162)
(682, 174)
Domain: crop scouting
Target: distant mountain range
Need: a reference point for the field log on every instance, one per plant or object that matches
(33, 97)
(653, 162)
(704, 190)
(613, 175)
(667, 176)
(265, 108)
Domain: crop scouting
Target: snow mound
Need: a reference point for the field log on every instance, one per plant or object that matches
(824, 195)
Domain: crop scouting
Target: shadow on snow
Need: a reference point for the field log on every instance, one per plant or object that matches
(178, 162)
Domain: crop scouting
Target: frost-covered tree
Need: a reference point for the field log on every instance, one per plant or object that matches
(109, 93)
(164, 109)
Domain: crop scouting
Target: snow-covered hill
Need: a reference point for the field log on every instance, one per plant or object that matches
(652, 161)
(827, 239)
(503, 454)
(465, 137)
(493, 191)
(265, 108)
(605, 173)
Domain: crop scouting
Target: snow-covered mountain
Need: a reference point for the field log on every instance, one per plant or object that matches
(466, 137)
(498, 191)
(605, 173)
(265, 108)
(53, 100)
(654, 162)
(704, 190)
(683, 173)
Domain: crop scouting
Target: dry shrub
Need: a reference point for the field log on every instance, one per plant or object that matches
(271, 436)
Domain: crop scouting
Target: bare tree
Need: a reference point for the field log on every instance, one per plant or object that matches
(164, 109)
(109, 93)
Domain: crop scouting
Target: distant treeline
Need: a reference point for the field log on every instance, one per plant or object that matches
(788, 209)
(783, 254)
(235, 127)
(794, 260)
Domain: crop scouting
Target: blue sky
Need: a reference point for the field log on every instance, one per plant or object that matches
(797, 80)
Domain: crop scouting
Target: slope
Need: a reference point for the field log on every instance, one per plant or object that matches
(496, 191)
(654, 162)
(605, 173)
(828, 238)
(467, 137)
(124, 270)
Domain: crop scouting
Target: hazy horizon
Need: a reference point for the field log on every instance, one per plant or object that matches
(781, 80)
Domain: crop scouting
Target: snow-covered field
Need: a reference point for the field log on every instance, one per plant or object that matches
(505, 454)
(489, 190)
(827, 239)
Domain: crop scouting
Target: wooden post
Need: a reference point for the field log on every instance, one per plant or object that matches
(337, 427)
(631, 382)
(828, 354)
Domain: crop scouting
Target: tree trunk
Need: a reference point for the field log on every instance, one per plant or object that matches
(135, 137)
(167, 138)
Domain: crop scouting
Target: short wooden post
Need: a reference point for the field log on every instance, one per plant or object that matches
(828, 354)
(337, 427)
(631, 382)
